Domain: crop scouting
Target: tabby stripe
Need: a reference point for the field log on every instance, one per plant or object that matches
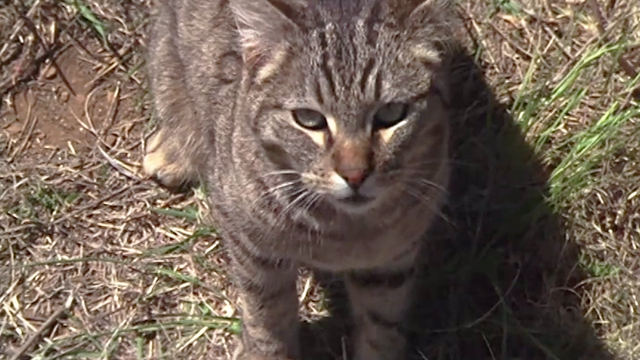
(375, 345)
(264, 295)
(328, 75)
(270, 201)
(431, 91)
(413, 247)
(277, 204)
(267, 347)
(377, 90)
(324, 62)
(372, 18)
(247, 257)
(266, 199)
(366, 73)
(379, 347)
(391, 280)
(381, 321)
(318, 91)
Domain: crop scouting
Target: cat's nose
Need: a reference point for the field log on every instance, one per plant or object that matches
(354, 177)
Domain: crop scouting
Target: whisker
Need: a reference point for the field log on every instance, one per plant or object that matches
(273, 189)
(280, 172)
(283, 185)
(302, 194)
(412, 170)
(315, 198)
(428, 201)
(417, 164)
(312, 200)
(430, 184)
(252, 180)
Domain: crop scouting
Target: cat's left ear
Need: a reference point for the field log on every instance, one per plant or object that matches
(434, 19)
(433, 27)
(264, 27)
(435, 7)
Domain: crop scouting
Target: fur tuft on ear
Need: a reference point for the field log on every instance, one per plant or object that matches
(431, 6)
(263, 26)
(422, 16)
(436, 16)
(431, 27)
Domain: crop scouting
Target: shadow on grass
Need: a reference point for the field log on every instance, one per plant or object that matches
(498, 279)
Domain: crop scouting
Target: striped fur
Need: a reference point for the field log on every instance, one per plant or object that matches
(351, 198)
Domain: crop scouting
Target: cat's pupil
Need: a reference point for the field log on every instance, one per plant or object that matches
(309, 119)
(389, 115)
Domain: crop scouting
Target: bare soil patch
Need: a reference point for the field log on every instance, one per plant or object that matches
(66, 106)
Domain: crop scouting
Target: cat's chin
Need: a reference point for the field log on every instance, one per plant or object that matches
(355, 203)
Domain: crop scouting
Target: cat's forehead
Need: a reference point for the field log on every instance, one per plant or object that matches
(354, 62)
(344, 44)
(342, 10)
(363, 34)
(333, 25)
(352, 56)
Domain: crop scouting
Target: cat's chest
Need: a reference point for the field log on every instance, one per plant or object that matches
(369, 246)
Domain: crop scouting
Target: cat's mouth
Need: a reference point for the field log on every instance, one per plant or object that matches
(350, 197)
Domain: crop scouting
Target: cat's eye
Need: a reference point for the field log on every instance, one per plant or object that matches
(309, 119)
(390, 114)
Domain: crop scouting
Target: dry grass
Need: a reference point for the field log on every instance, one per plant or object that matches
(97, 262)
(78, 221)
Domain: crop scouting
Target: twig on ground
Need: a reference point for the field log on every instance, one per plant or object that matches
(118, 165)
(17, 27)
(47, 324)
(27, 129)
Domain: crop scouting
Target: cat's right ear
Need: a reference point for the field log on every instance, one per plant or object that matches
(263, 26)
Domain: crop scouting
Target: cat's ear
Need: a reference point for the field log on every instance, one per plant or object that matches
(431, 29)
(263, 26)
(427, 23)
(429, 15)
(421, 8)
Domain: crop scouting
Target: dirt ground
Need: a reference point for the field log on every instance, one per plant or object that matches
(543, 260)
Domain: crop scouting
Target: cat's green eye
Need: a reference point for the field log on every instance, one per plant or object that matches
(309, 119)
(390, 114)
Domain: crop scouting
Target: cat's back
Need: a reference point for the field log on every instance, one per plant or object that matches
(193, 59)
(194, 67)
(200, 32)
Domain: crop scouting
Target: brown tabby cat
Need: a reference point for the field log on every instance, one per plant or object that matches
(321, 128)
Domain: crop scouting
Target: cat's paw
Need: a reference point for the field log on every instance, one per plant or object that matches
(169, 160)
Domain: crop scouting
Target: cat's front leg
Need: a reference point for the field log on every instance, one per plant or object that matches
(172, 157)
(380, 299)
(269, 305)
(176, 152)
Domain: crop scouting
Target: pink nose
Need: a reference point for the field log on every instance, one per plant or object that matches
(354, 177)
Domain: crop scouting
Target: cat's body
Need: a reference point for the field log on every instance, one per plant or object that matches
(321, 129)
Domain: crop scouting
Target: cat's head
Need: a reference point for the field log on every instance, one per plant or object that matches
(351, 95)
